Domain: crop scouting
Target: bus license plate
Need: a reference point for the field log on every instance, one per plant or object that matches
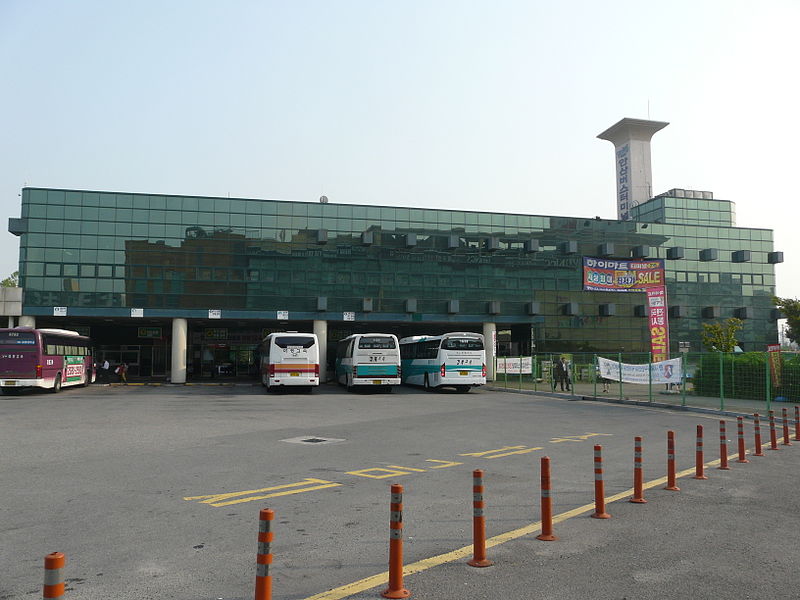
(294, 374)
(376, 382)
(11, 382)
(463, 372)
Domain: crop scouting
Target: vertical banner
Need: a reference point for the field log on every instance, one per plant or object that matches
(658, 323)
(774, 351)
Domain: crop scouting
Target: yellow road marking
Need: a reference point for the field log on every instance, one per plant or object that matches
(215, 499)
(383, 473)
(479, 454)
(514, 452)
(407, 468)
(464, 552)
(446, 463)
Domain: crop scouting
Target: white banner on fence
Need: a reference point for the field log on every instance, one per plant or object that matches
(666, 371)
(511, 366)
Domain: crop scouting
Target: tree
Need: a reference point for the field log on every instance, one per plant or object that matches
(721, 337)
(11, 281)
(790, 307)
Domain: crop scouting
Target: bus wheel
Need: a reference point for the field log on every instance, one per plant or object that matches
(462, 389)
(57, 384)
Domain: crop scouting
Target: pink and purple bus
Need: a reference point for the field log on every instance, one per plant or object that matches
(45, 358)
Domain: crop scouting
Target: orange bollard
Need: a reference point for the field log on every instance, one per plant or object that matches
(773, 435)
(723, 448)
(797, 423)
(396, 589)
(599, 488)
(740, 435)
(478, 523)
(547, 506)
(638, 475)
(53, 576)
(757, 433)
(785, 418)
(698, 455)
(671, 486)
(264, 556)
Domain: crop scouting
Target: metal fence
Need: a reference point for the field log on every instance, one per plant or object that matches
(739, 382)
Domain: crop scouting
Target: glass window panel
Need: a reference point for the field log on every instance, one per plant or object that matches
(37, 210)
(123, 229)
(190, 204)
(87, 270)
(139, 230)
(158, 202)
(55, 197)
(156, 216)
(37, 225)
(34, 268)
(104, 271)
(55, 212)
(72, 226)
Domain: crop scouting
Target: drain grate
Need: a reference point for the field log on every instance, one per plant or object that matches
(313, 439)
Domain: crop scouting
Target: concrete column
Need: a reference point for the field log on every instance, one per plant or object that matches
(321, 331)
(179, 338)
(490, 343)
(11, 322)
(26, 321)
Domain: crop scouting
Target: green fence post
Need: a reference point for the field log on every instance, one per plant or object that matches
(594, 362)
(520, 372)
(619, 363)
(721, 385)
(505, 373)
(650, 376)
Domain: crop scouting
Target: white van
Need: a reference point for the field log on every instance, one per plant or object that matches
(290, 359)
(368, 359)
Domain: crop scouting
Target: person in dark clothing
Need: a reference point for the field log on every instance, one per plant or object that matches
(563, 374)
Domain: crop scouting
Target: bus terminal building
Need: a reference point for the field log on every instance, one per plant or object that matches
(185, 287)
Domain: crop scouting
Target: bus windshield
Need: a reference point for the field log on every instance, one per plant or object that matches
(462, 344)
(376, 343)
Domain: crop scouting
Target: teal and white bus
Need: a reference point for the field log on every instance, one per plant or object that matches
(455, 359)
(368, 359)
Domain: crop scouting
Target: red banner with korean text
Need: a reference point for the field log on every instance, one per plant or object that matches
(658, 322)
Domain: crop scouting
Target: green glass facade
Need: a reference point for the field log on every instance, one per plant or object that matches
(101, 254)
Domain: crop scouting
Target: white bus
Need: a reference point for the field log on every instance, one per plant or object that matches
(371, 359)
(289, 359)
(455, 359)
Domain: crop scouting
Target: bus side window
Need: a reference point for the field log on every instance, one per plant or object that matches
(50, 350)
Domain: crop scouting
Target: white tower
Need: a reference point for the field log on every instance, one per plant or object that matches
(631, 139)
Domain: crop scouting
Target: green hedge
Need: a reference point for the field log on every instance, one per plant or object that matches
(744, 375)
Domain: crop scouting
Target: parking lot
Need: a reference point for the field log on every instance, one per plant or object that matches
(154, 492)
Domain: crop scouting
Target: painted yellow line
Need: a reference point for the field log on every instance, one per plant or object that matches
(466, 551)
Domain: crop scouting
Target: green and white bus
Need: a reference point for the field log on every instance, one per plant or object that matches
(368, 359)
(456, 359)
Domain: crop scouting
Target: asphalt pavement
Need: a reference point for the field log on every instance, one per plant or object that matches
(155, 493)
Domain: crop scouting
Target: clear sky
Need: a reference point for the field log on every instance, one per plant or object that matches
(435, 103)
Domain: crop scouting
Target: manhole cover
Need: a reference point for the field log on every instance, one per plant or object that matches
(313, 439)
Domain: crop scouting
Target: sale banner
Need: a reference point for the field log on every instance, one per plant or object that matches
(658, 322)
(609, 275)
